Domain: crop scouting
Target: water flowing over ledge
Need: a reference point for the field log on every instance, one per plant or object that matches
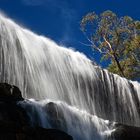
(79, 124)
(42, 69)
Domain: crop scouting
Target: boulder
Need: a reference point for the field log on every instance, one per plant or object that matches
(10, 93)
(9, 111)
(125, 132)
(14, 122)
(12, 131)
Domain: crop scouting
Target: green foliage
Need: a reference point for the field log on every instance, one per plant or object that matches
(117, 39)
(130, 61)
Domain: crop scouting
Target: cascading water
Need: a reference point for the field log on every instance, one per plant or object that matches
(79, 124)
(79, 89)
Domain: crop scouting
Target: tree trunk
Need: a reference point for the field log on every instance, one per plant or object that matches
(118, 64)
(114, 56)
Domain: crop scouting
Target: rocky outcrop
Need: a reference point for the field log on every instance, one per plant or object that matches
(125, 132)
(14, 123)
(9, 93)
(12, 131)
(9, 111)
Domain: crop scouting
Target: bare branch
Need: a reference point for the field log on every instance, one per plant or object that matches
(108, 43)
(88, 45)
(98, 49)
(94, 46)
(86, 36)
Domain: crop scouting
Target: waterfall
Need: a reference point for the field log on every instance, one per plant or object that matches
(78, 123)
(78, 88)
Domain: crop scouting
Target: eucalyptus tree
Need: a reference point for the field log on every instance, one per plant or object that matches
(110, 35)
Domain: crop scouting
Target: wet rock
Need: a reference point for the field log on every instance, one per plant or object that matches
(9, 111)
(10, 131)
(14, 122)
(46, 134)
(125, 132)
(10, 93)
(55, 116)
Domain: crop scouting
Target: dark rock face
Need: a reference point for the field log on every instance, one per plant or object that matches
(14, 123)
(9, 111)
(124, 132)
(9, 93)
(55, 116)
(10, 131)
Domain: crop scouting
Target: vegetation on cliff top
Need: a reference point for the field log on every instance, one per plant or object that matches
(117, 39)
